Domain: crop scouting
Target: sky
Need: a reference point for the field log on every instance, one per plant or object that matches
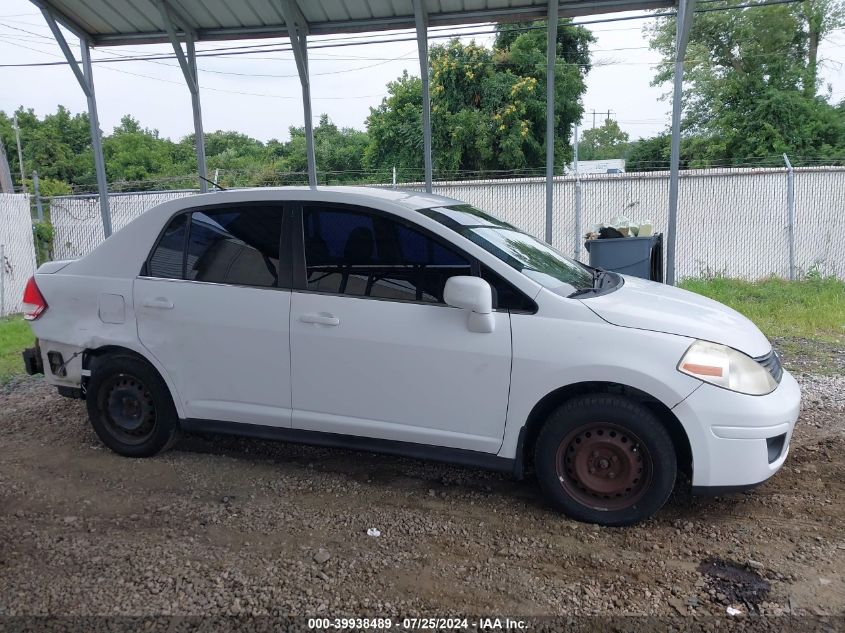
(259, 94)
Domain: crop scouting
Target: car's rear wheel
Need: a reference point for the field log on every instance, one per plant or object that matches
(130, 407)
(605, 459)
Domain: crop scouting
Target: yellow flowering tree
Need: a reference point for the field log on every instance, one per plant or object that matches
(488, 105)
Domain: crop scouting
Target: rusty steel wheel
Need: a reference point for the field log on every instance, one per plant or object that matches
(604, 466)
(130, 406)
(605, 458)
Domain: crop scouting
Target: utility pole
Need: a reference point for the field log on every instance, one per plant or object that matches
(609, 112)
(20, 153)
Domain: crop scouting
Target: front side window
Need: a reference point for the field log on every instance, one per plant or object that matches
(533, 258)
(238, 246)
(368, 255)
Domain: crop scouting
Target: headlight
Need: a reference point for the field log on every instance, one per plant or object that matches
(725, 367)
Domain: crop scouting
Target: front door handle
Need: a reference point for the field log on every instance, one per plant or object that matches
(159, 302)
(323, 318)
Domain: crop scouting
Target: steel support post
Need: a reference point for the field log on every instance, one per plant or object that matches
(85, 77)
(96, 140)
(188, 63)
(551, 58)
(421, 22)
(297, 32)
(682, 30)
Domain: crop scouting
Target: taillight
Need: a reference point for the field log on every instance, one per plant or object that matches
(33, 301)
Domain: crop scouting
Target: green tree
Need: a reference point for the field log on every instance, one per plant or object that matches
(394, 130)
(648, 154)
(488, 104)
(239, 157)
(138, 158)
(57, 146)
(751, 82)
(339, 152)
(603, 142)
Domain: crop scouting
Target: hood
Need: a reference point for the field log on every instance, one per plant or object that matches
(647, 305)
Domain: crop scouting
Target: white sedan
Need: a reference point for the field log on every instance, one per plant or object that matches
(413, 324)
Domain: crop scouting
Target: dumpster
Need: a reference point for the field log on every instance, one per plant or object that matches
(636, 256)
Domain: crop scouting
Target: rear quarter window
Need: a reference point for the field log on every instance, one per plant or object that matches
(229, 245)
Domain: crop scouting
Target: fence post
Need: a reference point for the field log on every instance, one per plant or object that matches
(37, 190)
(790, 214)
(394, 177)
(578, 230)
(2, 280)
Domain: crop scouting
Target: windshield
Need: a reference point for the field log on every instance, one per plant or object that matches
(533, 258)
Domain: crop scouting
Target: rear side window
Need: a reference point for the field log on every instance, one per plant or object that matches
(369, 255)
(167, 259)
(227, 246)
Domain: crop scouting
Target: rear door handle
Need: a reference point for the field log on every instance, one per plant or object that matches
(159, 302)
(324, 318)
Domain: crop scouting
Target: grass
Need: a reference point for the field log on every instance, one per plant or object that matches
(15, 336)
(813, 308)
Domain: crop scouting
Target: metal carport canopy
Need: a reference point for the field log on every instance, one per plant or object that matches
(122, 22)
(113, 22)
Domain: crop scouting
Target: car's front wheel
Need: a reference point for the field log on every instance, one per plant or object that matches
(606, 459)
(130, 407)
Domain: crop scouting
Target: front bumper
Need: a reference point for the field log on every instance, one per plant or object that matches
(738, 441)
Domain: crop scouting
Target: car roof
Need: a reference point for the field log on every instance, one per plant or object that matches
(407, 198)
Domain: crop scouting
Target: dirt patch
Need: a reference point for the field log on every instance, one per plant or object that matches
(734, 583)
(223, 525)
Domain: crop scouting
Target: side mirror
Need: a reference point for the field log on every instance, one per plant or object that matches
(475, 295)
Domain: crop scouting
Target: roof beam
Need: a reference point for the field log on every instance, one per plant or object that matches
(171, 15)
(570, 8)
(187, 71)
(84, 82)
(71, 25)
(293, 16)
(85, 77)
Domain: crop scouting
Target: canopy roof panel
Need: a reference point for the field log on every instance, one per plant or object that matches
(115, 22)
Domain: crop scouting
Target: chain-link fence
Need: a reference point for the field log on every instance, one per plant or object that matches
(78, 225)
(733, 222)
(17, 250)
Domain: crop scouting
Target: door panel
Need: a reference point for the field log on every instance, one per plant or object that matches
(226, 348)
(213, 314)
(398, 371)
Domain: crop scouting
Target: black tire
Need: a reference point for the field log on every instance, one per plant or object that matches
(130, 406)
(605, 459)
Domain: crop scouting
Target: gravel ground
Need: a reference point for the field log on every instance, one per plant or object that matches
(235, 526)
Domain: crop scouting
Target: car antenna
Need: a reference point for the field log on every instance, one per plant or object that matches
(211, 182)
